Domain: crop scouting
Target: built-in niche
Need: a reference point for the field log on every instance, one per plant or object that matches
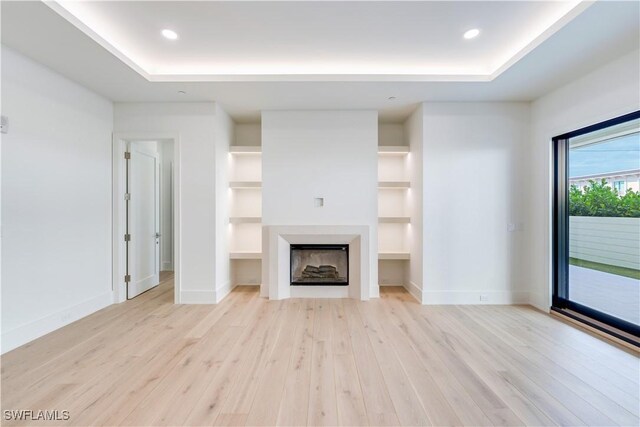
(325, 265)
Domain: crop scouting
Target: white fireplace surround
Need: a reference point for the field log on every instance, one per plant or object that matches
(276, 243)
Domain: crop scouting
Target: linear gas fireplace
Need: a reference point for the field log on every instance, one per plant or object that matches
(326, 265)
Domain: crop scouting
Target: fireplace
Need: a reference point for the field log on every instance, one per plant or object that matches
(325, 265)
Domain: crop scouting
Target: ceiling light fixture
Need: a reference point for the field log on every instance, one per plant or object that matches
(471, 34)
(170, 34)
(182, 92)
(391, 98)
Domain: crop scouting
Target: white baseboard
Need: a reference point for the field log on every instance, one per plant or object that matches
(539, 301)
(223, 291)
(474, 297)
(374, 292)
(167, 266)
(32, 330)
(415, 291)
(206, 297)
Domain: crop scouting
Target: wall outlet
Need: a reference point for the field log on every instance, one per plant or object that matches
(514, 226)
(484, 297)
(318, 202)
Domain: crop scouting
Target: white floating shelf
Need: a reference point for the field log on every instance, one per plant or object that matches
(393, 149)
(394, 184)
(394, 219)
(245, 219)
(245, 255)
(245, 184)
(245, 149)
(393, 255)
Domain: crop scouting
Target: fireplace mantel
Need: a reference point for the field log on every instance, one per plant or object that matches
(276, 241)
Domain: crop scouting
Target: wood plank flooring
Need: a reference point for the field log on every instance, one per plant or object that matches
(250, 361)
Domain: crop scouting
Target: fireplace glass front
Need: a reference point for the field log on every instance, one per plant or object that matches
(326, 265)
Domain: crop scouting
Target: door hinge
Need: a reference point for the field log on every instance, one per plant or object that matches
(127, 155)
(127, 196)
(127, 237)
(127, 278)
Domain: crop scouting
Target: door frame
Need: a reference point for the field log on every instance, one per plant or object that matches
(119, 261)
(561, 301)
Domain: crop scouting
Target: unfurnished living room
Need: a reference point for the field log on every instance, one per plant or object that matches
(328, 213)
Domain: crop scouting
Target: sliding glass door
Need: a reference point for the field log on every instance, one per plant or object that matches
(597, 225)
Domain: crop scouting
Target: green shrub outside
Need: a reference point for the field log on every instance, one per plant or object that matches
(599, 199)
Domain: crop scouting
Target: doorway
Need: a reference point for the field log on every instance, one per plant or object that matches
(144, 214)
(142, 239)
(597, 226)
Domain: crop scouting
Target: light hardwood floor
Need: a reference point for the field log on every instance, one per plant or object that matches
(249, 361)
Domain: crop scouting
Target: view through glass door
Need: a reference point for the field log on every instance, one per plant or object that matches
(597, 224)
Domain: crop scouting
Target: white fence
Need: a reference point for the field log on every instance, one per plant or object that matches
(613, 241)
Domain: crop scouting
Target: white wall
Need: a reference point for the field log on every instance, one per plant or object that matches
(391, 134)
(56, 207)
(610, 91)
(166, 205)
(474, 176)
(224, 138)
(248, 134)
(329, 154)
(196, 124)
(414, 134)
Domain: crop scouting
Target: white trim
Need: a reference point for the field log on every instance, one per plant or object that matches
(374, 292)
(119, 145)
(538, 301)
(207, 296)
(223, 291)
(473, 297)
(167, 266)
(319, 292)
(37, 328)
(414, 290)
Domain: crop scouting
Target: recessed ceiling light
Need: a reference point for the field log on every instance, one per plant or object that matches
(471, 34)
(169, 34)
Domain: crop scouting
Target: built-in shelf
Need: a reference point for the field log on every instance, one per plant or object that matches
(393, 149)
(245, 184)
(394, 184)
(245, 149)
(245, 255)
(245, 220)
(393, 255)
(394, 219)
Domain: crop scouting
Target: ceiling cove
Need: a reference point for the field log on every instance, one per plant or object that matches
(312, 41)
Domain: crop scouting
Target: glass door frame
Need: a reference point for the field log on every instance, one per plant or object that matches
(561, 301)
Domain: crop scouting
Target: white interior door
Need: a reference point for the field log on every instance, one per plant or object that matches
(144, 217)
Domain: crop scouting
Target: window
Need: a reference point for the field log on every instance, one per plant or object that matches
(596, 227)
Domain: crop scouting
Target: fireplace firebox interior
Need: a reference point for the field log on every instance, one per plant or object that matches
(326, 265)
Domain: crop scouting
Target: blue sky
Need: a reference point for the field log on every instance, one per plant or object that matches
(610, 156)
